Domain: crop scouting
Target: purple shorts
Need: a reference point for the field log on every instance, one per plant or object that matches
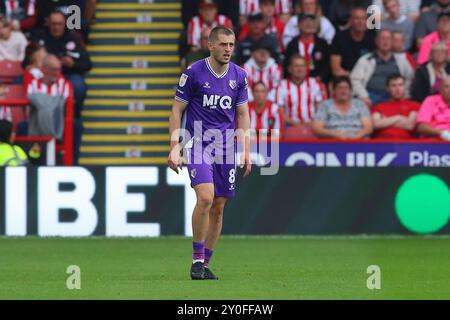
(222, 175)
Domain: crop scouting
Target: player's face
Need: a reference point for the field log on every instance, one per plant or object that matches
(222, 48)
(396, 89)
(260, 94)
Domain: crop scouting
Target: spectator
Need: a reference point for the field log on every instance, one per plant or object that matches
(266, 118)
(372, 70)
(324, 28)
(325, 4)
(434, 115)
(73, 56)
(203, 52)
(311, 47)
(32, 64)
(228, 8)
(22, 13)
(396, 118)
(12, 43)
(342, 117)
(13, 155)
(398, 45)
(396, 21)
(408, 8)
(349, 45)
(429, 77)
(298, 95)
(91, 8)
(47, 97)
(340, 11)
(262, 68)
(272, 25)
(5, 111)
(256, 33)
(442, 34)
(250, 7)
(427, 22)
(208, 18)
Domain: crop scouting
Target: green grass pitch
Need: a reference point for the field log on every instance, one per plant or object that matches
(248, 267)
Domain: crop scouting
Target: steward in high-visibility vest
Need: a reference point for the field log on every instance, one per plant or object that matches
(12, 155)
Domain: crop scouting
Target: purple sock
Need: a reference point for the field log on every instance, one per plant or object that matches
(198, 250)
(208, 255)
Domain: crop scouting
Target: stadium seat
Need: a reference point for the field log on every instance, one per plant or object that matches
(10, 70)
(304, 132)
(14, 95)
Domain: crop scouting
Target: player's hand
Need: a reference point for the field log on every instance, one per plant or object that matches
(175, 160)
(245, 160)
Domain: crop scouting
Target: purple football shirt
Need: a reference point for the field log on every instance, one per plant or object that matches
(212, 98)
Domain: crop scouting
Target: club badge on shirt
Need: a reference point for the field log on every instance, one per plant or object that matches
(183, 80)
(233, 84)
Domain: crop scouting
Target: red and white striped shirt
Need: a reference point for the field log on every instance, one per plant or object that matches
(270, 74)
(298, 101)
(61, 87)
(12, 5)
(197, 24)
(305, 49)
(271, 118)
(6, 113)
(248, 7)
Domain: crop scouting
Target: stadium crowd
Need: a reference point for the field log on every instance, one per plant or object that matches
(318, 69)
(54, 62)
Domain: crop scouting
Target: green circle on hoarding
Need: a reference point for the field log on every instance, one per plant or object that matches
(422, 203)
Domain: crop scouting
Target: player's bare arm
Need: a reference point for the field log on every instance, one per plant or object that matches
(244, 125)
(174, 160)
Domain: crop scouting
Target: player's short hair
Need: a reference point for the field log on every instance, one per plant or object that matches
(215, 32)
(393, 77)
(340, 79)
(5, 130)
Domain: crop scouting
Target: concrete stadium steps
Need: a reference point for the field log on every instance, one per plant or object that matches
(133, 47)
